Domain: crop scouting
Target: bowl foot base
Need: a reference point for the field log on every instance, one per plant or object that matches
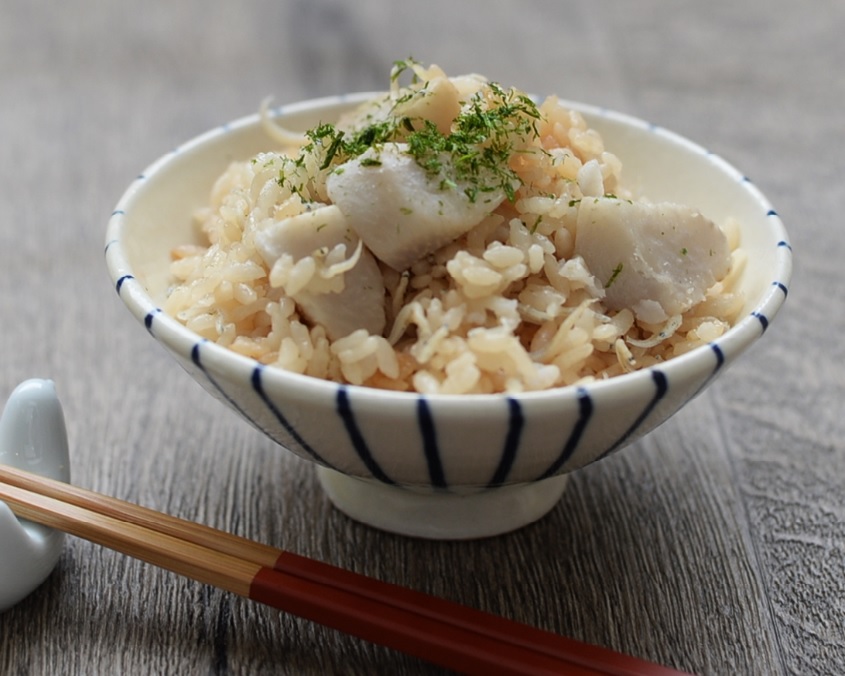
(441, 515)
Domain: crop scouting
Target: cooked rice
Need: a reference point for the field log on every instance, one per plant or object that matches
(504, 308)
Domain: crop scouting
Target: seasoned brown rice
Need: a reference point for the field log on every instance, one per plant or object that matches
(506, 307)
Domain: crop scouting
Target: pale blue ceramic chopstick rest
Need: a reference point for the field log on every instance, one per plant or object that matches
(33, 438)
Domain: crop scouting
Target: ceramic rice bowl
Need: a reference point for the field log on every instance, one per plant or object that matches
(444, 466)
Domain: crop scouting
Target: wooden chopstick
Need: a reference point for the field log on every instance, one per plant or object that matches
(434, 629)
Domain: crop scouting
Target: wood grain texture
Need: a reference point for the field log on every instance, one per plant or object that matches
(715, 545)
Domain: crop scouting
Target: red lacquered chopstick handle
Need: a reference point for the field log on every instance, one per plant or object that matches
(434, 629)
(415, 634)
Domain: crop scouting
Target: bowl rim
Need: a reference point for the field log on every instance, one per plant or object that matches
(168, 330)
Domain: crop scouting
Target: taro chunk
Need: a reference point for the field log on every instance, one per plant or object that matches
(358, 300)
(658, 260)
(437, 100)
(401, 211)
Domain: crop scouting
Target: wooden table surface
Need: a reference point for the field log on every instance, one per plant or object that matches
(715, 545)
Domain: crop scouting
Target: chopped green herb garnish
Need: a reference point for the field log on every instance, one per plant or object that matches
(401, 66)
(494, 125)
(334, 147)
(616, 272)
